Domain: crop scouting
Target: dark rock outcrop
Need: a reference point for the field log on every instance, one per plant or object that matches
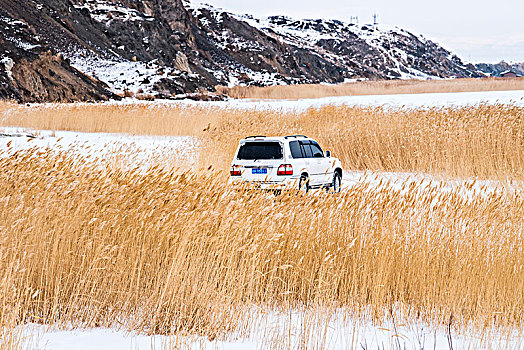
(32, 71)
(64, 50)
(495, 69)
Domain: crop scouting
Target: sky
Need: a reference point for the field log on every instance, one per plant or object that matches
(477, 30)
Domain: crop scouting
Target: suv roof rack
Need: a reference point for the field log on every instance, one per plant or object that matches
(255, 136)
(296, 136)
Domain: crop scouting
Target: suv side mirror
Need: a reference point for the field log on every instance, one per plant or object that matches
(328, 154)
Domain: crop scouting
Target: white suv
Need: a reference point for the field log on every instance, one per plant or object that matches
(285, 162)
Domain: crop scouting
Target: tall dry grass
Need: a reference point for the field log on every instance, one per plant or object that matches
(382, 87)
(162, 252)
(484, 141)
(167, 253)
(136, 119)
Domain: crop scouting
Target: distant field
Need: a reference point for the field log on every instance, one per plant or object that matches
(388, 87)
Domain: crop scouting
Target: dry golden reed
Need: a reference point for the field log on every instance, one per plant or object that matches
(484, 141)
(138, 118)
(381, 87)
(161, 252)
(157, 251)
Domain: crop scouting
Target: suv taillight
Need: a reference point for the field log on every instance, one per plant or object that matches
(235, 171)
(285, 169)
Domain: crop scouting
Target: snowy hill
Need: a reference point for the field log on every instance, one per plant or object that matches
(327, 50)
(171, 48)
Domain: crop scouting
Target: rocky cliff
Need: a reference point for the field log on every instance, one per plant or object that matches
(495, 69)
(32, 70)
(62, 50)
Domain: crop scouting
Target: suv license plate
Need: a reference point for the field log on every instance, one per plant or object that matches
(259, 171)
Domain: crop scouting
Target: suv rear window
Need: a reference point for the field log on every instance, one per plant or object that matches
(260, 150)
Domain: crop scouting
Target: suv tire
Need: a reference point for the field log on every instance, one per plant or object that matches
(336, 183)
(303, 184)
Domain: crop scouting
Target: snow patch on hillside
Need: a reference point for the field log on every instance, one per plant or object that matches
(105, 12)
(15, 27)
(122, 75)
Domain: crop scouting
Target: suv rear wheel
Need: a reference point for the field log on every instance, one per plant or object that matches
(303, 184)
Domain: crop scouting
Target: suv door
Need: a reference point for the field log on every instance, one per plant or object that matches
(326, 166)
(309, 157)
(300, 160)
(311, 163)
(320, 163)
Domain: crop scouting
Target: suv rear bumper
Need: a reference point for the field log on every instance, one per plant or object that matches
(285, 183)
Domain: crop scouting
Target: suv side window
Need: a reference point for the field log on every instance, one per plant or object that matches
(306, 149)
(317, 151)
(296, 150)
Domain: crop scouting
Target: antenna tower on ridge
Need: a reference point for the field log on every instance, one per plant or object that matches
(375, 19)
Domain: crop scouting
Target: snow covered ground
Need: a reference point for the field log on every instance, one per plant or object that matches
(334, 332)
(394, 101)
(127, 151)
(457, 99)
(429, 100)
(468, 188)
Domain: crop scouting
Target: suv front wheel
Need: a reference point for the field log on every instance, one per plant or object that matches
(336, 184)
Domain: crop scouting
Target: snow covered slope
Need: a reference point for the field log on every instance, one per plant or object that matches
(335, 50)
(170, 48)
